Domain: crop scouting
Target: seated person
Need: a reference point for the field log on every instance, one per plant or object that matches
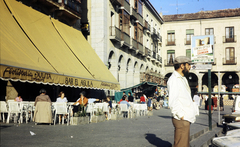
(18, 99)
(42, 112)
(124, 101)
(83, 100)
(62, 97)
(42, 97)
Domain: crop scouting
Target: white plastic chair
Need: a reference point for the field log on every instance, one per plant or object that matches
(61, 108)
(136, 109)
(90, 110)
(106, 109)
(98, 107)
(124, 108)
(31, 108)
(3, 109)
(24, 106)
(13, 108)
(143, 109)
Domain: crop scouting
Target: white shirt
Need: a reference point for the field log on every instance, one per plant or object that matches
(196, 99)
(180, 100)
(62, 100)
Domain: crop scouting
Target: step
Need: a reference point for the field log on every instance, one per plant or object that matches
(205, 139)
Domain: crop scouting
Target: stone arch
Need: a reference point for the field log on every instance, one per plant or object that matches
(230, 79)
(122, 77)
(214, 80)
(136, 75)
(141, 69)
(112, 60)
(129, 72)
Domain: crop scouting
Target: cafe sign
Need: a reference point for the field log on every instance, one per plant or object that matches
(202, 49)
(20, 74)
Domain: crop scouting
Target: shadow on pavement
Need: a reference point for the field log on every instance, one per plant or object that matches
(158, 142)
(4, 126)
(167, 117)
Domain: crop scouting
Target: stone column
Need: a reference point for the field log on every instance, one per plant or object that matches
(123, 78)
(200, 75)
(130, 78)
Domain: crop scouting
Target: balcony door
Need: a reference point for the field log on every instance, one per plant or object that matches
(230, 55)
(230, 34)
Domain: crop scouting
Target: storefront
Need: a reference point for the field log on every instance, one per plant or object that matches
(37, 51)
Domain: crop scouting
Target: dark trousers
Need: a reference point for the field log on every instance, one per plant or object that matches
(181, 133)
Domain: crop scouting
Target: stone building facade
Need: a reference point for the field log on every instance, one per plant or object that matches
(224, 25)
(126, 36)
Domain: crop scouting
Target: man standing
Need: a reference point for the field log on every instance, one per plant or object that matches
(182, 107)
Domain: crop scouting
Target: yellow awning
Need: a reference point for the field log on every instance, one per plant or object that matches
(69, 58)
(15, 48)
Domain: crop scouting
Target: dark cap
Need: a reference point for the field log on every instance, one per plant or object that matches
(182, 59)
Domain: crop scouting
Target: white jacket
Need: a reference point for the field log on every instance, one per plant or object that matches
(180, 100)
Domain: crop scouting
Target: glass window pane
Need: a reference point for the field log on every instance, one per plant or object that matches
(207, 31)
(211, 31)
(227, 54)
(227, 32)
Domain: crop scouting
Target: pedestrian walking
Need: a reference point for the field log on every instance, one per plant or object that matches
(183, 109)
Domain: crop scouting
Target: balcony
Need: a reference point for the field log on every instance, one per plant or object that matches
(140, 48)
(115, 34)
(170, 43)
(154, 31)
(230, 61)
(68, 10)
(140, 18)
(134, 44)
(147, 26)
(116, 2)
(125, 39)
(230, 40)
(126, 6)
(148, 52)
(133, 13)
(187, 42)
(154, 56)
(122, 3)
(159, 36)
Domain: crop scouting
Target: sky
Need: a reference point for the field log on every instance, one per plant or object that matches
(170, 7)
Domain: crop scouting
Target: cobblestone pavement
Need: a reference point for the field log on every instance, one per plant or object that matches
(144, 131)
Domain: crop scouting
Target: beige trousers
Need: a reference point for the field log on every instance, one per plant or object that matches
(181, 133)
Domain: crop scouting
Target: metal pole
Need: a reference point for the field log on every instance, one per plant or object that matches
(219, 89)
(210, 101)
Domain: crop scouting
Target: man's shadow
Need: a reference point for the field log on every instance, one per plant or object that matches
(158, 142)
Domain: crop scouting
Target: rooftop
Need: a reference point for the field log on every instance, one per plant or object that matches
(203, 15)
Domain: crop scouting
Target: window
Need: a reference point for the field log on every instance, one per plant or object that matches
(140, 34)
(229, 34)
(230, 55)
(209, 31)
(189, 34)
(135, 32)
(127, 1)
(170, 57)
(171, 37)
(188, 53)
(124, 22)
(140, 7)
